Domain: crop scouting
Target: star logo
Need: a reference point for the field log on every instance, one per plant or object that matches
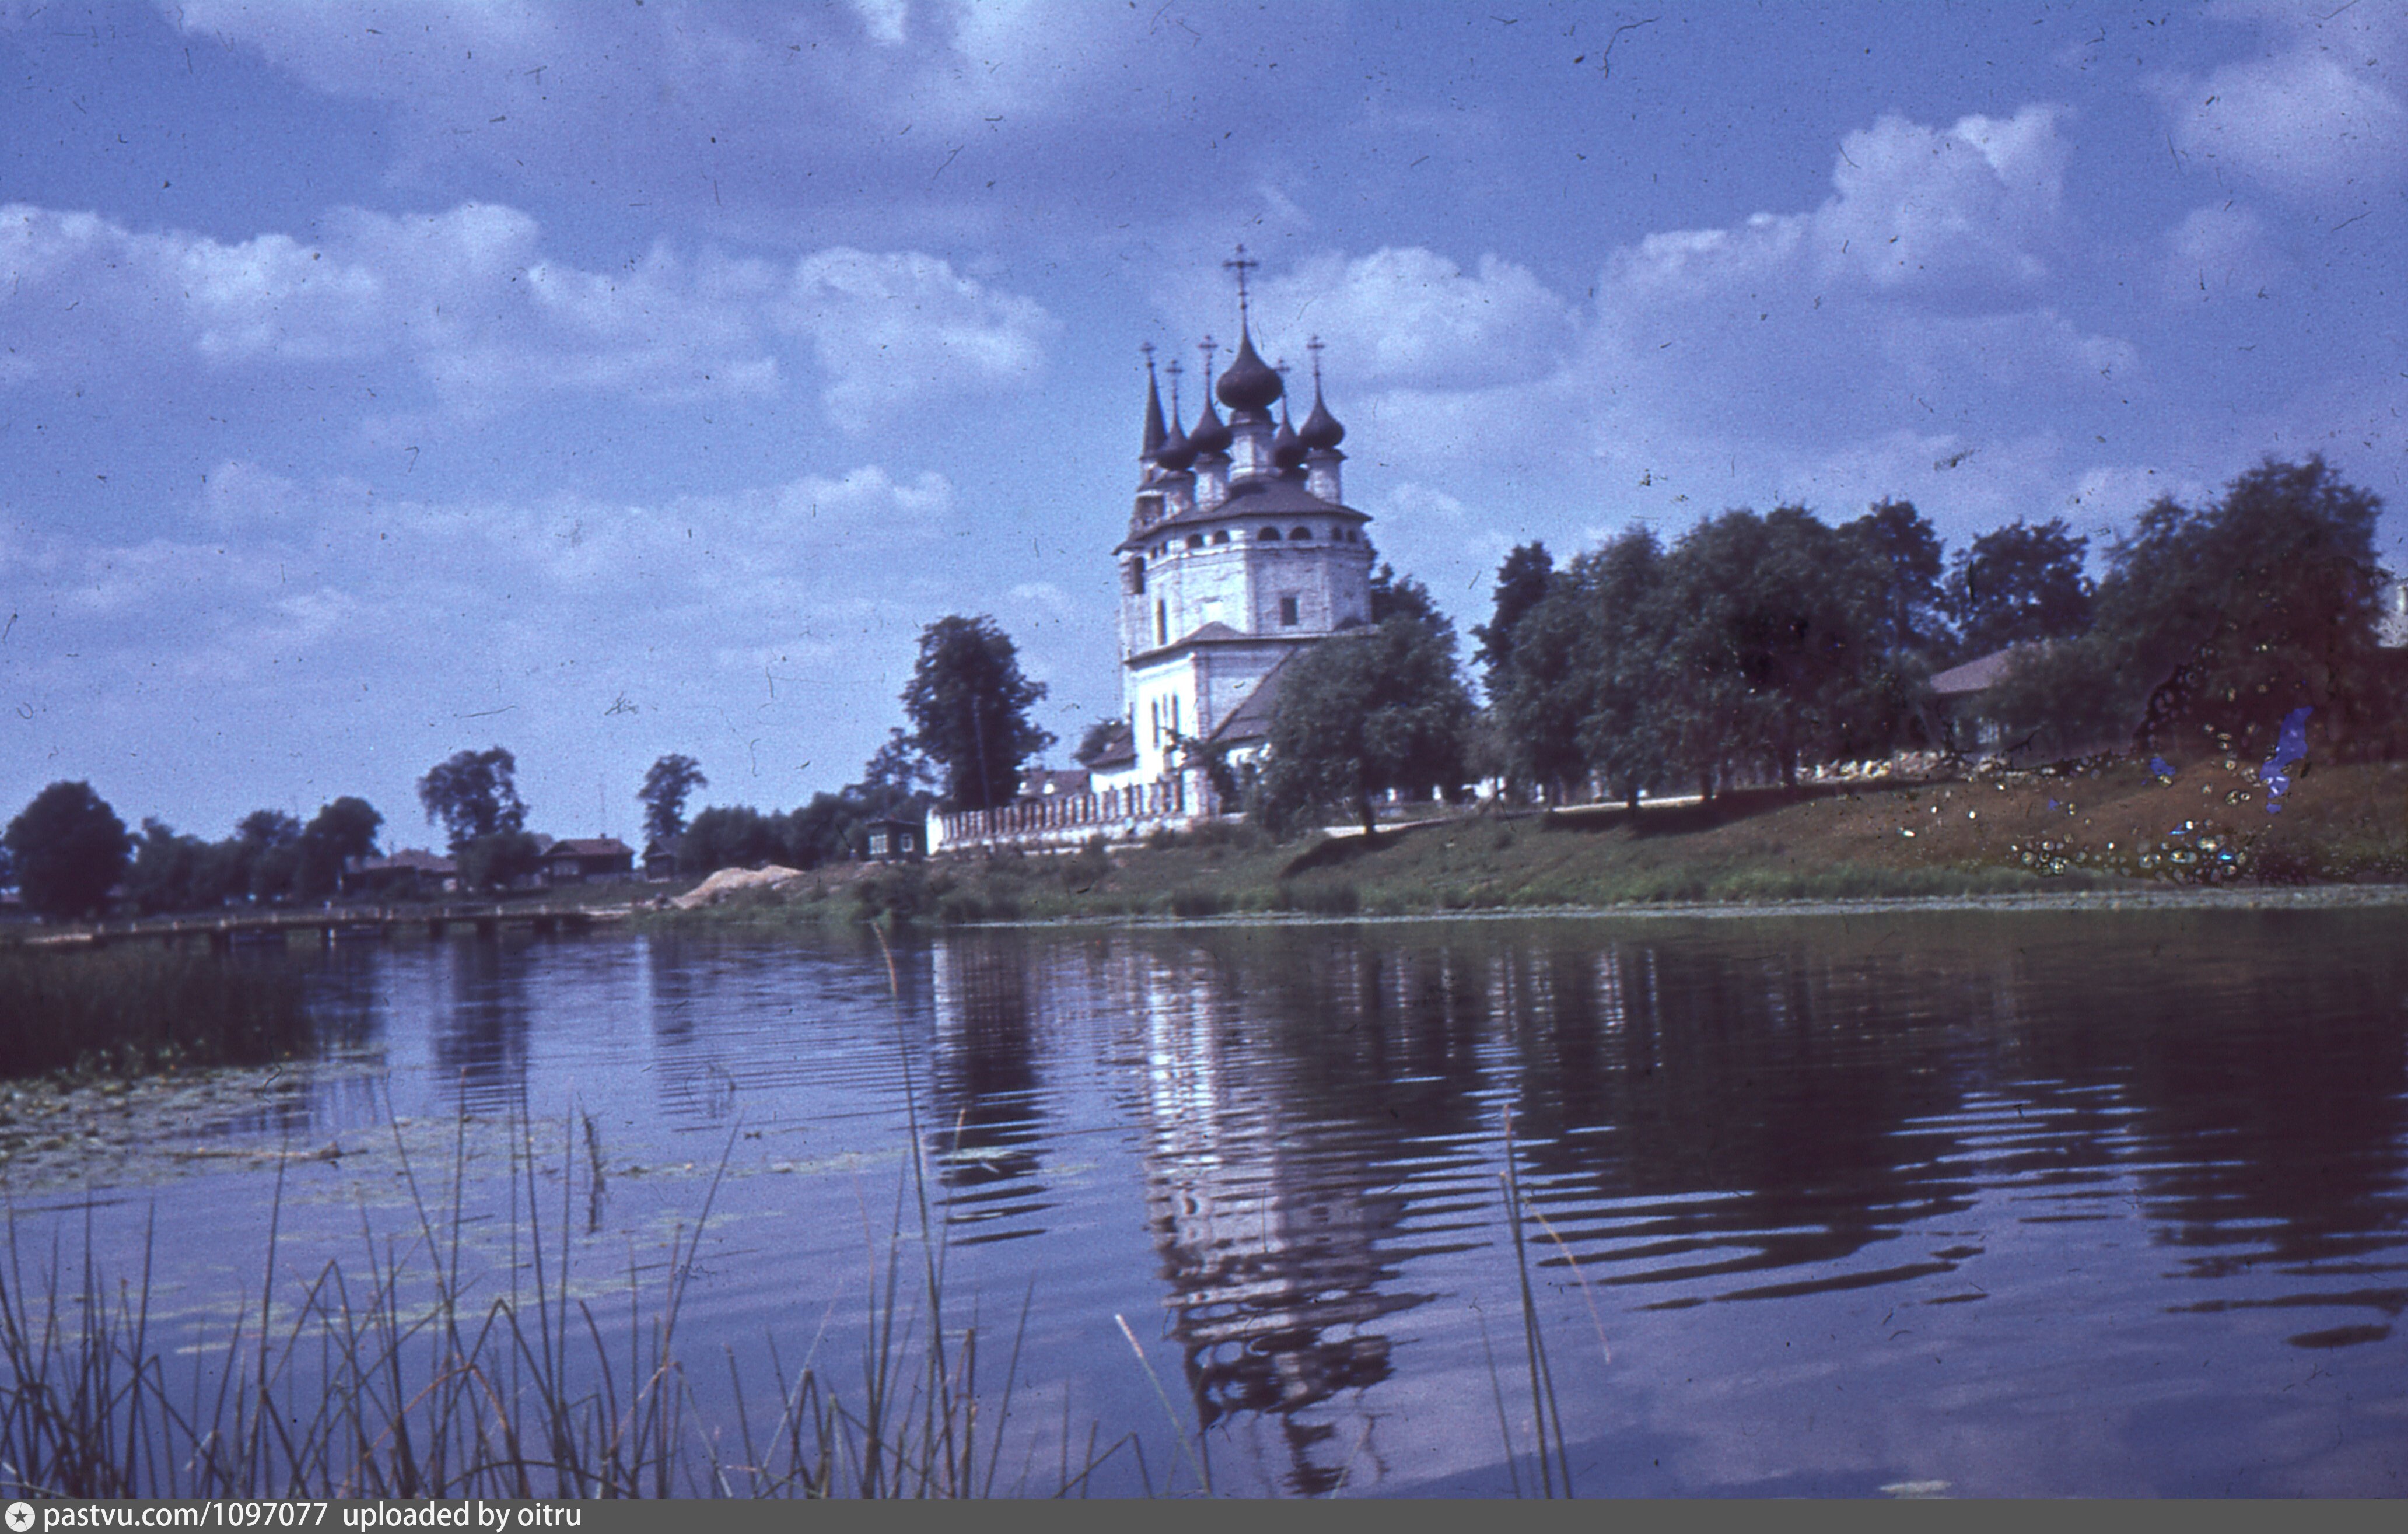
(21, 1516)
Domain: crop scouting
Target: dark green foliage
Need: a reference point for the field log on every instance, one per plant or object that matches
(2214, 623)
(1523, 582)
(269, 844)
(474, 794)
(172, 872)
(69, 849)
(129, 1010)
(1779, 643)
(2018, 584)
(1363, 712)
(666, 784)
(896, 894)
(1756, 643)
(1395, 596)
(1541, 688)
(341, 831)
(497, 861)
(1910, 604)
(829, 829)
(731, 837)
(969, 706)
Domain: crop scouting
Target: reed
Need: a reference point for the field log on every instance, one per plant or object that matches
(400, 1375)
(125, 1011)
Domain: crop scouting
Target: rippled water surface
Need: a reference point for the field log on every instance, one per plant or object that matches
(1993, 1203)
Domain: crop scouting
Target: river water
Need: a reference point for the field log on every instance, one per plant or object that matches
(2084, 1203)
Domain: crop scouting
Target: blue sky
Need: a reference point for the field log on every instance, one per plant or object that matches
(608, 380)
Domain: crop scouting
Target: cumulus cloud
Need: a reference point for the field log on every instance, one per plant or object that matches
(2319, 111)
(1967, 216)
(469, 302)
(2220, 251)
(1410, 317)
(887, 327)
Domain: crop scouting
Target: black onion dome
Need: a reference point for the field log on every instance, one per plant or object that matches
(1176, 452)
(1155, 435)
(1249, 384)
(1287, 450)
(1321, 429)
(1209, 434)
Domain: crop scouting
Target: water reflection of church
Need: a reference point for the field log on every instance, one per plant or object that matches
(1271, 1235)
(1260, 1204)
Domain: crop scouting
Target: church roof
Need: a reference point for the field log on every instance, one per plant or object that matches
(1251, 720)
(1250, 498)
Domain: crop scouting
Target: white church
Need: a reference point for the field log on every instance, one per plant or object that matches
(1241, 554)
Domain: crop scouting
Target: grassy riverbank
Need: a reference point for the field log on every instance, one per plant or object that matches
(122, 1012)
(2109, 827)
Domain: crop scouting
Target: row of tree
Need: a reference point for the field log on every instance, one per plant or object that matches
(971, 737)
(1756, 645)
(66, 851)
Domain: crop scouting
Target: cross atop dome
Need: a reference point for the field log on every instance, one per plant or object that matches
(1241, 264)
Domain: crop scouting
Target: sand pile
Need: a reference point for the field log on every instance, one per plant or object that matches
(728, 881)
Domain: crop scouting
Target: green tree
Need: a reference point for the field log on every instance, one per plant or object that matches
(896, 780)
(1363, 712)
(1540, 687)
(69, 849)
(1629, 700)
(493, 861)
(968, 707)
(1395, 596)
(666, 784)
(473, 794)
(164, 872)
(1911, 603)
(342, 830)
(268, 842)
(2214, 623)
(1779, 646)
(1523, 582)
(2017, 584)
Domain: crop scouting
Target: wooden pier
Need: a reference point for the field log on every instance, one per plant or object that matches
(226, 931)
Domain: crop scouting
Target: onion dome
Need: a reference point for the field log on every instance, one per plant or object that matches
(1321, 429)
(1176, 452)
(1209, 434)
(1288, 448)
(1249, 384)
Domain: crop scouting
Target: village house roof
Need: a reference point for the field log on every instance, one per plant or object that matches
(406, 860)
(589, 847)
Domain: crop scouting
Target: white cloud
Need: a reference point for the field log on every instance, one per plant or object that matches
(471, 303)
(887, 328)
(2222, 251)
(1410, 318)
(2319, 112)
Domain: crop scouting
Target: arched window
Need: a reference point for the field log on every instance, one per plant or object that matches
(1137, 576)
(1297, 534)
(1222, 536)
(1267, 535)
(1196, 540)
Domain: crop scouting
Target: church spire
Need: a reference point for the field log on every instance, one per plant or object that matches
(1153, 430)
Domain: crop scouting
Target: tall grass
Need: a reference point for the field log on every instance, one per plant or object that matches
(396, 1376)
(125, 1009)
